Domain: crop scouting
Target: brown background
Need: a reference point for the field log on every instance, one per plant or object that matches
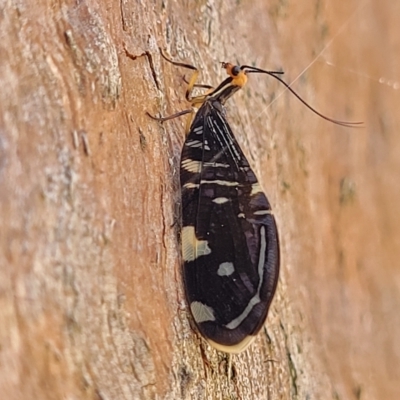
(91, 303)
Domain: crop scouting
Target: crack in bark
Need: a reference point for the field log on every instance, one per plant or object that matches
(153, 71)
(148, 55)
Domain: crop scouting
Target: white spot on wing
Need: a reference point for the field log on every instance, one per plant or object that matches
(191, 185)
(221, 183)
(255, 188)
(262, 212)
(191, 165)
(220, 200)
(198, 144)
(226, 269)
(216, 165)
(192, 247)
(194, 143)
(256, 298)
(201, 312)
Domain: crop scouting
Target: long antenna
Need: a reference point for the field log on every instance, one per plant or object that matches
(248, 69)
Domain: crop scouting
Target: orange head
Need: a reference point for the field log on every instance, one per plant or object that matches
(237, 74)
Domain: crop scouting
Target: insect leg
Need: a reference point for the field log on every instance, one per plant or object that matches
(192, 81)
(176, 115)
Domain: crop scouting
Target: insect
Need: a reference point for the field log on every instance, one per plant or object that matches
(230, 242)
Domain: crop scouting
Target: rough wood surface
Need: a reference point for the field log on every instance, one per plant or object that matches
(91, 302)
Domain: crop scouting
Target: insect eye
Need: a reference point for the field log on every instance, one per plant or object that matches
(235, 70)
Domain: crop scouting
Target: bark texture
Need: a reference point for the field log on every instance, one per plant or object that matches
(91, 301)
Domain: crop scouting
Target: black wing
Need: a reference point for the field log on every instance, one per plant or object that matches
(230, 242)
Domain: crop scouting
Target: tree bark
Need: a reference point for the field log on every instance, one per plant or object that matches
(92, 304)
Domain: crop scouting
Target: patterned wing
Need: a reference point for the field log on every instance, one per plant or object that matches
(230, 242)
